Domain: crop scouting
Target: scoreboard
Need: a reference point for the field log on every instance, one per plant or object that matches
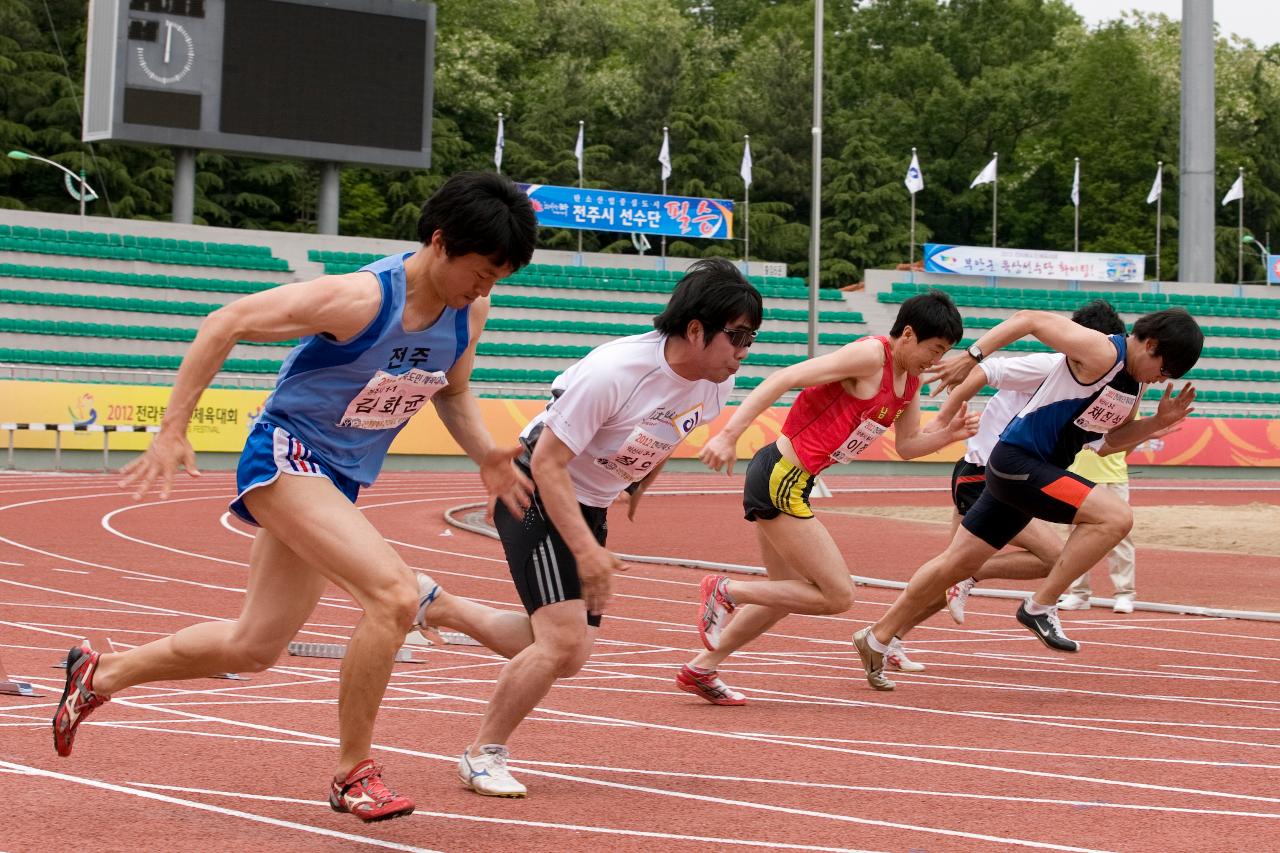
(344, 81)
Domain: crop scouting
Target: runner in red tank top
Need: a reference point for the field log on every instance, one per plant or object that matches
(850, 398)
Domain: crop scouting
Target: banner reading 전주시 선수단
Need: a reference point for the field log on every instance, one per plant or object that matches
(642, 213)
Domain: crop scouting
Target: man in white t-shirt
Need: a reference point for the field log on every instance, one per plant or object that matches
(614, 418)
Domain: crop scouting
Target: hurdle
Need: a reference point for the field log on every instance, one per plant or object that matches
(58, 429)
(415, 642)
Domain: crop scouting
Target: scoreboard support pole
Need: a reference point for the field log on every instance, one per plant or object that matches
(184, 185)
(327, 203)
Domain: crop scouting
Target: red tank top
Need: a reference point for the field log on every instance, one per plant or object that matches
(827, 424)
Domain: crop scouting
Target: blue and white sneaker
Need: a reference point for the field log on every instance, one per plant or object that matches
(487, 773)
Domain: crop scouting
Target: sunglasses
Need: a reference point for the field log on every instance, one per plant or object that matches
(740, 338)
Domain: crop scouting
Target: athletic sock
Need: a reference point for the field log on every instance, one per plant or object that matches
(724, 590)
(698, 670)
(876, 644)
(1037, 609)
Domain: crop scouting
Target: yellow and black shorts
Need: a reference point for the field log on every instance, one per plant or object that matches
(774, 486)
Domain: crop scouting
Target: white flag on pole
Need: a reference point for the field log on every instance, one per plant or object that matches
(499, 145)
(986, 176)
(577, 150)
(664, 156)
(1075, 185)
(745, 170)
(1236, 191)
(915, 178)
(1156, 186)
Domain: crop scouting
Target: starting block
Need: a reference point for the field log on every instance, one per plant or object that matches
(413, 642)
(15, 688)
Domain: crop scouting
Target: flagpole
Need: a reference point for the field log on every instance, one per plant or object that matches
(744, 173)
(815, 209)
(911, 253)
(664, 192)
(1077, 206)
(1240, 233)
(581, 127)
(1159, 204)
(995, 198)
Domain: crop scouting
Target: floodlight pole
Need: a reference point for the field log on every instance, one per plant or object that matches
(184, 185)
(815, 209)
(84, 191)
(327, 209)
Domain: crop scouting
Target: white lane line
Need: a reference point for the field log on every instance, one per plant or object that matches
(7, 563)
(922, 792)
(144, 580)
(538, 824)
(1209, 668)
(220, 810)
(701, 798)
(72, 571)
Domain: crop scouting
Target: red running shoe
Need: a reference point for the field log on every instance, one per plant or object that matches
(714, 610)
(78, 699)
(363, 794)
(709, 687)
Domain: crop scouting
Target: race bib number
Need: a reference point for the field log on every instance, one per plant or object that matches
(388, 401)
(859, 440)
(639, 454)
(1108, 411)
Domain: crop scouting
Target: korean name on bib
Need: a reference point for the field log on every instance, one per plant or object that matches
(388, 401)
(859, 440)
(1108, 411)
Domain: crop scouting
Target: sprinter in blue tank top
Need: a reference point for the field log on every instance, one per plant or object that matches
(1091, 394)
(378, 345)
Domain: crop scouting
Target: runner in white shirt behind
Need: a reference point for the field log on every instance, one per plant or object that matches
(1038, 545)
(614, 418)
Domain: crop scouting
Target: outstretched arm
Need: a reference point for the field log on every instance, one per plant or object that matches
(852, 361)
(1169, 413)
(913, 442)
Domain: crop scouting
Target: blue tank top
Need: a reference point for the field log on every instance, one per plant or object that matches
(348, 401)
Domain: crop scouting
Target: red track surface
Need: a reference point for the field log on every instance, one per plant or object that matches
(1162, 734)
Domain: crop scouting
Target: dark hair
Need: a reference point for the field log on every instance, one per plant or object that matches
(481, 213)
(714, 292)
(931, 314)
(1178, 338)
(1099, 315)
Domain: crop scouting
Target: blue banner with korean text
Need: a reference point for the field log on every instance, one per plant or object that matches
(610, 210)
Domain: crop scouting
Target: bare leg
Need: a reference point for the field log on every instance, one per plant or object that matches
(281, 595)
(1101, 522)
(750, 620)
(506, 632)
(822, 584)
(961, 559)
(562, 642)
(327, 532)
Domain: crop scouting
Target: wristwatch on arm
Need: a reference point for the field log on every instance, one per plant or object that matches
(974, 352)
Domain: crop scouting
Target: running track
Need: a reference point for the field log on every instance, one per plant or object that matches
(1162, 734)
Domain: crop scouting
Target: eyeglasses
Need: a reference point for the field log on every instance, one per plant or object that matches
(740, 338)
(1165, 372)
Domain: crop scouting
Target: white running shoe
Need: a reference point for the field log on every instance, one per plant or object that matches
(897, 658)
(487, 773)
(428, 592)
(1074, 602)
(957, 597)
(1123, 604)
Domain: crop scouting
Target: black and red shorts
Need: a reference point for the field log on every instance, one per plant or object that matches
(968, 482)
(1021, 487)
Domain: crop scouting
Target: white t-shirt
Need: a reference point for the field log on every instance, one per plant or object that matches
(1017, 378)
(622, 410)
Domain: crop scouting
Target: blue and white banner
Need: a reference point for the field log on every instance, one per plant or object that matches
(1031, 263)
(1273, 269)
(610, 210)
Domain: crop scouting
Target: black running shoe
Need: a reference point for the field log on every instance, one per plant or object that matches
(1048, 629)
